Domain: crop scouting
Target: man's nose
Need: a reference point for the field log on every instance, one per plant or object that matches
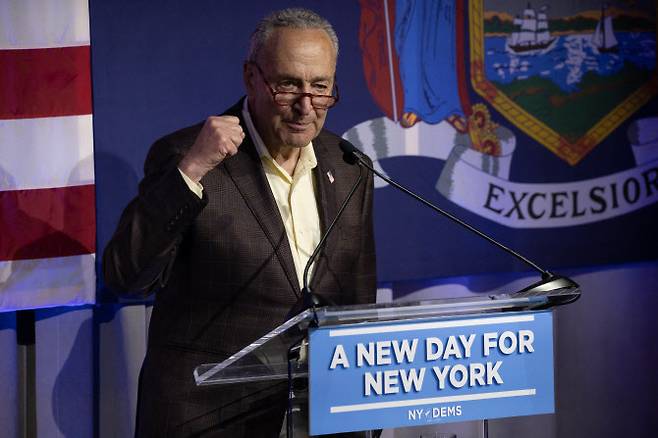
(303, 105)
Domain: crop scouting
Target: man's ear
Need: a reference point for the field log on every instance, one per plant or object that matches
(248, 76)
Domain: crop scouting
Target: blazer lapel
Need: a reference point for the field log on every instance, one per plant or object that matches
(326, 193)
(246, 171)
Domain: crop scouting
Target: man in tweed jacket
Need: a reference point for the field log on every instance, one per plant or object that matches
(226, 217)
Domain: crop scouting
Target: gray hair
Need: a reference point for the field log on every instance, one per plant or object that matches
(296, 18)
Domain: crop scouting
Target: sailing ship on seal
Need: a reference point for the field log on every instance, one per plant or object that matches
(604, 35)
(532, 34)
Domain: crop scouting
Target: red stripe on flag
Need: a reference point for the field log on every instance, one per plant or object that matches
(41, 223)
(45, 82)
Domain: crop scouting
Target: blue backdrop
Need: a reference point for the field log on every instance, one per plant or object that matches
(156, 72)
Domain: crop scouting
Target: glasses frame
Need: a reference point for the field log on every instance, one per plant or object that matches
(298, 95)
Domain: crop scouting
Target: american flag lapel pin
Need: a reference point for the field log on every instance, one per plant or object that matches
(330, 176)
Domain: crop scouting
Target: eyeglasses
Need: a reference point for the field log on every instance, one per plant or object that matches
(288, 98)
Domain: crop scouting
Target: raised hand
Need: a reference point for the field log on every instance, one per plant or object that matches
(219, 138)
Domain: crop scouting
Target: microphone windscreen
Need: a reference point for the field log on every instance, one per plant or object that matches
(349, 152)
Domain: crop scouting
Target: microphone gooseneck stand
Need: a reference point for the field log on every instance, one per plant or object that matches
(308, 300)
(549, 281)
(311, 300)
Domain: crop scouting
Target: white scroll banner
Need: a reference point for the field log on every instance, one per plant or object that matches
(519, 205)
(480, 182)
(383, 138)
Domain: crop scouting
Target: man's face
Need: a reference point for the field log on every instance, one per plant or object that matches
(297, 60)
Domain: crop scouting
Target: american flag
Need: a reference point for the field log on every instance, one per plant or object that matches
(47, 200)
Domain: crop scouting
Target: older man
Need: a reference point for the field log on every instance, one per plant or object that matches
(226, 218)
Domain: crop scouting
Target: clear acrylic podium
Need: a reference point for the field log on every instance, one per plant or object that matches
(268, 358)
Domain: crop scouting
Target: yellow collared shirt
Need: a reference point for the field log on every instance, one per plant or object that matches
(295, 197)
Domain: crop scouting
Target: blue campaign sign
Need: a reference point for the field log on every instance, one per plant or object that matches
(396, 374)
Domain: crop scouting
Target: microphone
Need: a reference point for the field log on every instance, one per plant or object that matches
(558, 289)
(308, 299)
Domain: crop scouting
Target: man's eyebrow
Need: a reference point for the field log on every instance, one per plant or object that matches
(322, 78)
(286, 77)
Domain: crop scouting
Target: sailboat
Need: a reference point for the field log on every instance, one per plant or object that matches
(532, 34)
(604, 35)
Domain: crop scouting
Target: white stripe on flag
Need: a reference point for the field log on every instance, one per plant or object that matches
(59, 281)
(46, 152)
(31, 24)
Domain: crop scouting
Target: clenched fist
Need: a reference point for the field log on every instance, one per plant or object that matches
(219, 138)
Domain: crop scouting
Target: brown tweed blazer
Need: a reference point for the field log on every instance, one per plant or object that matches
(223, 274)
